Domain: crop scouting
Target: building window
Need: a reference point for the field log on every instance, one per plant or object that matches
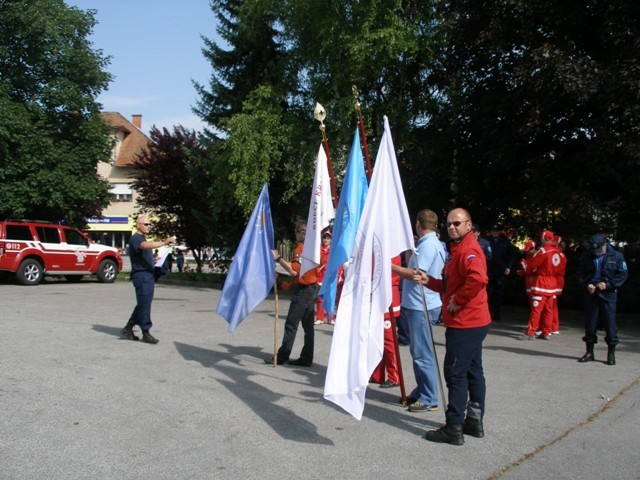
(121, 192)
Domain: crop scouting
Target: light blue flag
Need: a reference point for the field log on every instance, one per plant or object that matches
(252, 275)
(352, 197)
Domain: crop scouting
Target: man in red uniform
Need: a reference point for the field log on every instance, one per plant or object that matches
(389, 362)
(546, 263)
(466, 317)
(324, 256)
(555, 326)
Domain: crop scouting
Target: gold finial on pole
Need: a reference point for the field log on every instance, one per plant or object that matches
(320, 114)
(356, 95)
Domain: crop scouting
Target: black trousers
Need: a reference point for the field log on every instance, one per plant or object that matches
(302, 309)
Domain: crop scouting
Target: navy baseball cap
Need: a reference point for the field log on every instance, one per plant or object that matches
(595, 243)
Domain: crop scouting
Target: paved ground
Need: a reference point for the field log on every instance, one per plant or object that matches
(78, 402)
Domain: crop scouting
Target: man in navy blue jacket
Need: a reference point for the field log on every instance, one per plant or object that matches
(601, 272)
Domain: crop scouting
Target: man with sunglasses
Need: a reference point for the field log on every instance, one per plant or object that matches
(141, 256)
(466, 318)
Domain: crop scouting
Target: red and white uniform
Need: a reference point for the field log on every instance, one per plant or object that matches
(389, 361)
(555, 324)
(324, 257)
(546, 263)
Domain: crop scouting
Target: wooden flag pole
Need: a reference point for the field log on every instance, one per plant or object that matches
(363, 135)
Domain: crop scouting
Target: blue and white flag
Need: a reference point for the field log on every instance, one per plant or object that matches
(352, 197)
(252, 275)
(384, 232)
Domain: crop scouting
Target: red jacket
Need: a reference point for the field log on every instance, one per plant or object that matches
(548, 264)
(465, 277)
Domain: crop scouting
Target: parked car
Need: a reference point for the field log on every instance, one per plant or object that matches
(33, 249)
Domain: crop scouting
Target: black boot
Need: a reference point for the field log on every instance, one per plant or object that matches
(587, 357)
(611, 355)
(451, 434)
(473, 421)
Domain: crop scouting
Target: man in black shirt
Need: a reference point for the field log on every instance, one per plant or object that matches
(141, 256)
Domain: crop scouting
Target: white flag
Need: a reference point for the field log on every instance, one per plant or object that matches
(384, 232)
(321, 212)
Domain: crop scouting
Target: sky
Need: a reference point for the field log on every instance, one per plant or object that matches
(155, 49)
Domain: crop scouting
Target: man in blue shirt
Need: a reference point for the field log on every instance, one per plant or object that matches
(430, 258)
(601, 272)
(142, 277)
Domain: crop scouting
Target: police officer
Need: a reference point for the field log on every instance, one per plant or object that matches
(601, 272)
(499, 265)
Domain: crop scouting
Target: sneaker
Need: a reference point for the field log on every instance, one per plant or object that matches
(318, 322)
(555, 333)
(409, 401)
(526, 337)
(148, 338)
(332, 322)
(389, 384)
(539, 332)
(422, 407)
(127, 332)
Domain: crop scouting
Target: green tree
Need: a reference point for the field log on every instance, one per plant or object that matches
(541, 111)
(51, 132)
(172, 183)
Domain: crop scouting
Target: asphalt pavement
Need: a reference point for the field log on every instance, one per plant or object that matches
(79, 402)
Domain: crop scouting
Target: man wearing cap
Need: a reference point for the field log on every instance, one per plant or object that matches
(499, 266)
(545, 265)
(484, 243)
(602, 270)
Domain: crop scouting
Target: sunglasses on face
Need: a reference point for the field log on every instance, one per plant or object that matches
(456, 224)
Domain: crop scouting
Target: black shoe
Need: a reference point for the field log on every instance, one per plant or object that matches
(148, 338)
(611, 356)
(269, 361)
(389, 384)
(127, 332)
(300, 363)
(587, 357)
(473, 428)
(451, 434)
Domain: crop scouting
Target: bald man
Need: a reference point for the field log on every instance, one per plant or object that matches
(466, 317)
(141, 256)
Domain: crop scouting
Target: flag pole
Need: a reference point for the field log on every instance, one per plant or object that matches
(320, 114)
(363, 135)
(433, 346)
(275, 325)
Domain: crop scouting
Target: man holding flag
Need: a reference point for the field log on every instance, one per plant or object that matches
(466, 317)
(302, 305)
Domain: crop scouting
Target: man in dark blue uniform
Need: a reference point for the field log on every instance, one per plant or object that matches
(142, 277)
(499, 266)
(601, 272)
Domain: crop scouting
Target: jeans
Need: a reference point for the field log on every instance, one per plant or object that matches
(144, 284)
(421, 348)
(463, 371)
(302, 309)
